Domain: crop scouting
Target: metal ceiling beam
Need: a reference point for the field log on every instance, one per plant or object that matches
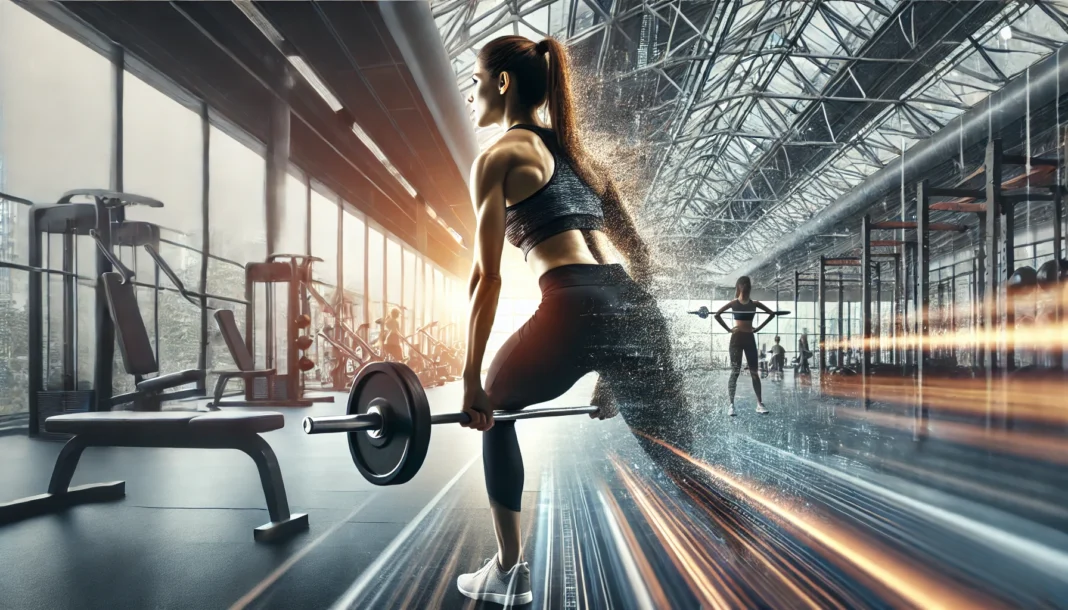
(806, 116)
(1047, 78)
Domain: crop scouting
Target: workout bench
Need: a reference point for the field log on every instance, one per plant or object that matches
(174, 429)
(155, 428)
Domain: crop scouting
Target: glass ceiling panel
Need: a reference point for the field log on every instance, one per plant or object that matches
(731, 111)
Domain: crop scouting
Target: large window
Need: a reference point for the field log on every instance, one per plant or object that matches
(393, 276)
(54, 137)
(237, 221)
(375, 272)
(441, 306)
(56, 109)
(353, 251)
(427, 281)
(324, 220)
(236, 212)
(292, 234)
(324, 241)
(163, 152)
(410, 260)
(420, 293)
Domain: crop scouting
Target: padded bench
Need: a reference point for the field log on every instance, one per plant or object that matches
(178, 429)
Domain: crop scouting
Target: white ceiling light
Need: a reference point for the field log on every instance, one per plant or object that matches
(459, 238)
(441, 221)
(377, 152)
(302, 66)
(256, 17)
(313, 80)
(1005, 33)
(264, 25)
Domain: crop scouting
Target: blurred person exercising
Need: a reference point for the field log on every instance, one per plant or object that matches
(537, 188)
(803, 353)
(391, 336)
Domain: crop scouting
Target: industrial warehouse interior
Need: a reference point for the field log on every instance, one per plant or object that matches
(780, 285)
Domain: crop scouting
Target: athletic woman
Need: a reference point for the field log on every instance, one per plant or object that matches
(537, 188)
(743, 339)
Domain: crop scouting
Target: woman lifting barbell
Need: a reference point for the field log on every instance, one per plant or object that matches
(537, 187)
(743, 339)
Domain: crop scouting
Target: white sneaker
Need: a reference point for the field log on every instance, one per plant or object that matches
(492, 584)
(760, 409)
(730, 411)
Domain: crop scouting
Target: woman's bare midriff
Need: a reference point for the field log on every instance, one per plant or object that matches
(567, 248)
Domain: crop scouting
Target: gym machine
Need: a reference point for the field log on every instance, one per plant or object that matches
(287, 386)
(441, 353)
(102, 220)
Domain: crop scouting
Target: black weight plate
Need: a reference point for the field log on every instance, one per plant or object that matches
(397, 454)
(419, 441)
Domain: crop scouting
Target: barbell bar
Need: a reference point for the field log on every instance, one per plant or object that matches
(703, 312)
(388, 422)
(374, 420)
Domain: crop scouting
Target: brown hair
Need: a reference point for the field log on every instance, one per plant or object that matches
(743, 287)
(539, 84)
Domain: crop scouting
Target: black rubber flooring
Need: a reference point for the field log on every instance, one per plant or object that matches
(819, 504)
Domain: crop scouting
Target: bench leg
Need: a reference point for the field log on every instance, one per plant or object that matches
(66, 463)
(283, 524)
(220, 388)
(60, 494)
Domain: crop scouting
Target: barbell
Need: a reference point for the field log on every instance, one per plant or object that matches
(388, 422)
(703, 312)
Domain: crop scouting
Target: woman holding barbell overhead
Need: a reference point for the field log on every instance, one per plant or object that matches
(743, 338)
(538, 188)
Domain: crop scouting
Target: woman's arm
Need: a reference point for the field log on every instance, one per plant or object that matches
(719, 316)
(487, 186)
(765, 309)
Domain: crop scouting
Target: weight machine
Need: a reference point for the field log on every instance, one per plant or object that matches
(102, 221)
(286, 385)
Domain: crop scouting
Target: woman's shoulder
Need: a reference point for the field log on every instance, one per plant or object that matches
(506, 151)
(492, 163)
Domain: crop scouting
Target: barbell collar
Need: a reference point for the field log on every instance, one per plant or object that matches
(342, 423)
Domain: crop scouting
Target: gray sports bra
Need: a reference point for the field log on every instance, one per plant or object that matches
(565, 203)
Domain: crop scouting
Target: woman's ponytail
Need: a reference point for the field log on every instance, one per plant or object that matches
(558, 97)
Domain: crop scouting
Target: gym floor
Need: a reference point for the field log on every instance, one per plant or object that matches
(785, 510)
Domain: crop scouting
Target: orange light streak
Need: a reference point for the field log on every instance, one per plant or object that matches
(1034, 400)
(690, 560)
(649, 578)
(895, 572)
(1025, 444)
(762, 554)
